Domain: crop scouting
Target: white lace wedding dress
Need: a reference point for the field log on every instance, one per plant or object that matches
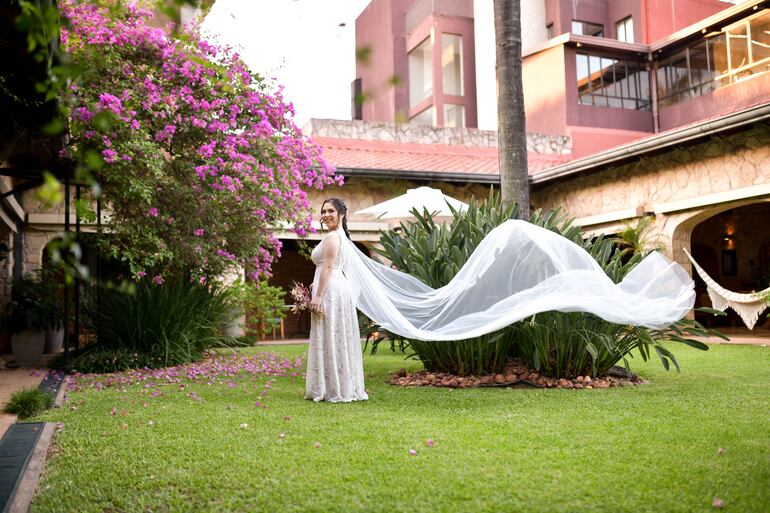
(335, 371)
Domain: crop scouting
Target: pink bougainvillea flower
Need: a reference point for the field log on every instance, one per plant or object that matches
(229, 148)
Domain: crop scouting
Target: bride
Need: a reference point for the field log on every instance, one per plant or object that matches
(335, 371)
(517, 271)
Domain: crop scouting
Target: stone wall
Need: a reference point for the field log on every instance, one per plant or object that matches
(425, 134)
(718, 165)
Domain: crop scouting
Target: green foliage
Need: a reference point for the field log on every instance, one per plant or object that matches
(162, 325)
(434, 253)
(28, 402)
(556, 343)
(637, 237)
(35, 304)
(264, 305)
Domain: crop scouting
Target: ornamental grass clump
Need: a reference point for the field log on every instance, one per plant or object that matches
(28, 402)
(157, 325)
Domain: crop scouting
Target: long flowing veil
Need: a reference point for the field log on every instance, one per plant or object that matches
(517, 271)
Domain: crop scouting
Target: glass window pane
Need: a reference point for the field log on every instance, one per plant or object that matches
(420, 73)
(454, 116)
(424, 118)
(718, 54)
(583, 28)
(608, 82)
(739, 47)
(760, 38)
(581, 66)
(452, 64)
(678, 79)
(699, 65)
(625, 30)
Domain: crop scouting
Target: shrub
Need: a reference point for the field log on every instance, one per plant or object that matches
(264, 306)
(28, 402)
(558, 344)
(162, 324)
(197, 158)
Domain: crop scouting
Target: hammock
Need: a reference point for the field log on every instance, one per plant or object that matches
(748, 306)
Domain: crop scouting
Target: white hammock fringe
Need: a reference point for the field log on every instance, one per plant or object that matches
(748, 306)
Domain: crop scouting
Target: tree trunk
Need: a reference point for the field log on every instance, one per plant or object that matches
(511, 126)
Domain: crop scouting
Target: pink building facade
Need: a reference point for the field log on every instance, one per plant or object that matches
(418, 62)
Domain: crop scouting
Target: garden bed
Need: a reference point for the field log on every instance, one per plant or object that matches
(515, 373)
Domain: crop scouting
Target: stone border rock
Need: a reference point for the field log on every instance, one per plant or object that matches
(512, 375)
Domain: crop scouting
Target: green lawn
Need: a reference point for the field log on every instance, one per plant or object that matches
(635, 449)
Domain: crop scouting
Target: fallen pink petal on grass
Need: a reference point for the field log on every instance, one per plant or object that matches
(412, 452)
(718, 503)
(429, 442)
(317, 445)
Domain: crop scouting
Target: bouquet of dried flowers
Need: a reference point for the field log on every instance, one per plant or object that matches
(302, 298)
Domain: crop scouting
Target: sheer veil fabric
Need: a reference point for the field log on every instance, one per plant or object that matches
(517, 271)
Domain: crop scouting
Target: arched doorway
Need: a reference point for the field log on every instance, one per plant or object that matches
(733, 247)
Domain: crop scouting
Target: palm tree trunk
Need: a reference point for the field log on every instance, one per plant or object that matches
(511, 125)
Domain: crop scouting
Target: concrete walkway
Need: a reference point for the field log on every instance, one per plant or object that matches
(12, 380)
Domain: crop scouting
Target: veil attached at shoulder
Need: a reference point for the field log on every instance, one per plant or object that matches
(518, 270)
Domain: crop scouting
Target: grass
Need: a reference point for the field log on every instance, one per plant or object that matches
(649, 448)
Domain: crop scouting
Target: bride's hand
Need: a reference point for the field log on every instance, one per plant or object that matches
(316, 308)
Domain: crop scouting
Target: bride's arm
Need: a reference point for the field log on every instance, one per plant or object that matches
(331, 247)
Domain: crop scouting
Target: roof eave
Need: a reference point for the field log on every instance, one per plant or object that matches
(440, 176)
(654, 143)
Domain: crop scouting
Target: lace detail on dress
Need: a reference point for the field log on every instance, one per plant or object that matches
(335, 370)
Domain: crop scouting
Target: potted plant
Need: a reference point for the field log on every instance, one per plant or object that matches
(34, 309)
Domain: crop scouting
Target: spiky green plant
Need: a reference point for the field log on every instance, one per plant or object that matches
(166, 324)
(28, 402)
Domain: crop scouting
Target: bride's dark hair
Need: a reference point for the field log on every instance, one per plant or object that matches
(342, 210)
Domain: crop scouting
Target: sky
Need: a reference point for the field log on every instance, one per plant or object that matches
(306, 45)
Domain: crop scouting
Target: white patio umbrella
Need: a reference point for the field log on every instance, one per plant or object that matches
(420, 198)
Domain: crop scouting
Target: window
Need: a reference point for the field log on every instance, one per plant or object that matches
(609, 82)
(740, 51)
(452, 64)
(625, 30)
(583, 28)
(424, 118)
(454, 116)
(746, 49)
(420, 73)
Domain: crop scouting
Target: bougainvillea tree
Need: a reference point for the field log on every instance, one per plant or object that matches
(198, 160)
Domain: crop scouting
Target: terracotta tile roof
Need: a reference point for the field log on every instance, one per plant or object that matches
(394, 156)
